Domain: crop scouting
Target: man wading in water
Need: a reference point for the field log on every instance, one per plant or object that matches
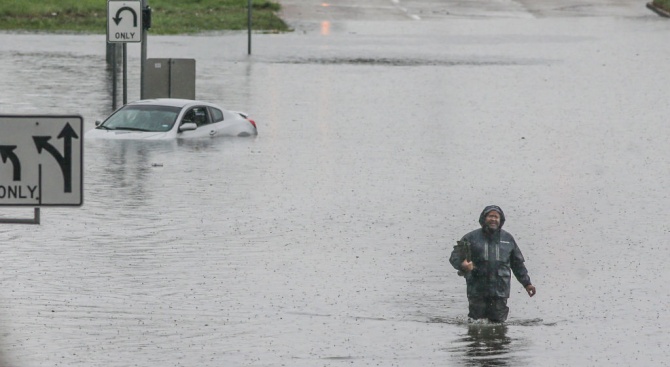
(487, 257)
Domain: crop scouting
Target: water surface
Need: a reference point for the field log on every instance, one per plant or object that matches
(324, 240)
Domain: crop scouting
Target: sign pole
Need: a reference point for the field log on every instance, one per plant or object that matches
(249, 28)
(35, 220)
(143, 57)
(114, 75)
(125, 74)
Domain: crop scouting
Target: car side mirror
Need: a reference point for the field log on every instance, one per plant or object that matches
(98, 122)
(188, 126)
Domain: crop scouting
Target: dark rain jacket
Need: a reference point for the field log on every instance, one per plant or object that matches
(495, 256)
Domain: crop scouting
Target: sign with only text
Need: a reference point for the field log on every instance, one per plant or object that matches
(124, 21)
(41, 160)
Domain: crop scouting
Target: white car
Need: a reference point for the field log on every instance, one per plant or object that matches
(171, 118)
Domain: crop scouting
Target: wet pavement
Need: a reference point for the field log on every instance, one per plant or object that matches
(324, 241)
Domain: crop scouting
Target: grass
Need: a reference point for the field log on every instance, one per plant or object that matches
(168, 16)
(662, 4)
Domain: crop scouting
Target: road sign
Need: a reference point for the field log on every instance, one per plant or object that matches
(41, 160)
(124, 21)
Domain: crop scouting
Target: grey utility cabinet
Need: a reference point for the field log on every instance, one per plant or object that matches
(169, 78)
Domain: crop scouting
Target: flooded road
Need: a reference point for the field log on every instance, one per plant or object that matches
(324, 241)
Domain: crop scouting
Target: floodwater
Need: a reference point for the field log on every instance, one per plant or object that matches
(324, 241)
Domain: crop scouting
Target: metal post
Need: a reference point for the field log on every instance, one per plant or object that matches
(249, 28)
(143, 57)
(114, 73)
(35, 220)
(125, 74)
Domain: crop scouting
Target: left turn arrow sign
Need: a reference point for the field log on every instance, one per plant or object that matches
(7, 151)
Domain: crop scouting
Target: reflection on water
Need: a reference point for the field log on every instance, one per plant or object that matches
(486, 345)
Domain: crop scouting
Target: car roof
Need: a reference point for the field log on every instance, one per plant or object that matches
(173, 102)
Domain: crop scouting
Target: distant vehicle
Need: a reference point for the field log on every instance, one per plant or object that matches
(171, 118)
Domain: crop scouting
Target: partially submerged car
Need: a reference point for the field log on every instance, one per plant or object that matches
(171, 118)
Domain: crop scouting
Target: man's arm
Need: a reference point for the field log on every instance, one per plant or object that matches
(520, 271)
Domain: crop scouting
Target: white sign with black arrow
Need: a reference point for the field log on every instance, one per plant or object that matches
(124, 21)
(41, 160)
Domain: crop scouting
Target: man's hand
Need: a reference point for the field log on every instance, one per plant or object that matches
(530, 289)
(467, 266)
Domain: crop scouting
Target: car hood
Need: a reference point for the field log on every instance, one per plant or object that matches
(126, 134)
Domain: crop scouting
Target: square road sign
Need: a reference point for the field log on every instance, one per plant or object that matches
(124, 21)
(41, 160)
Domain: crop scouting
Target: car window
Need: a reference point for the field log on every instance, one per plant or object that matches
(198, 115)
(217, 114)
(142, 118)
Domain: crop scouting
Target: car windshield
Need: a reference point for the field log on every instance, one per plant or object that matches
(142, 118)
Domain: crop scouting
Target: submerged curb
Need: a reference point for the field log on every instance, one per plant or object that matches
(658, 10)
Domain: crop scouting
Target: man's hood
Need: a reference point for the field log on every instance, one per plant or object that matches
(488, 209)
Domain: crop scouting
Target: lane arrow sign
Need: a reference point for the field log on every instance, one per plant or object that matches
(65, 160)
(7, 151)
(117, 18)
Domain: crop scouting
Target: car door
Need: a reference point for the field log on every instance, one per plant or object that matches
(201, 117)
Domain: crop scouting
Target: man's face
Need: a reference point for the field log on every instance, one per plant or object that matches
(492, 220)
